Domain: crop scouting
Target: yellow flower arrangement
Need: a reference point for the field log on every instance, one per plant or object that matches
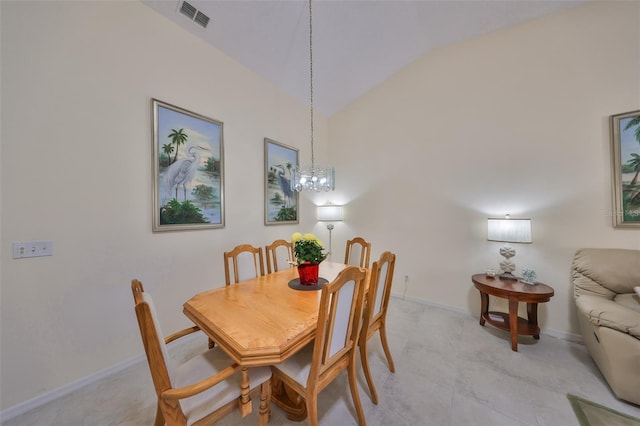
(307, 248)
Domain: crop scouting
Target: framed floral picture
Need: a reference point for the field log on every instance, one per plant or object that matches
(280, 201)
(188, 170)
(625, 152)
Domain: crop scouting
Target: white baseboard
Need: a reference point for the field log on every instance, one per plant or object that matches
(570, 337)
(51, 395)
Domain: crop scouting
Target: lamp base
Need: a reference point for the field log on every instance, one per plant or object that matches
(506, 265)
(508, 276)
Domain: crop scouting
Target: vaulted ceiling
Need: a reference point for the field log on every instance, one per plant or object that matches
(357, 44)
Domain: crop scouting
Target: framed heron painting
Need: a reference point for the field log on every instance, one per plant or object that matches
(280, 201)
(188, 170)
(625, 152)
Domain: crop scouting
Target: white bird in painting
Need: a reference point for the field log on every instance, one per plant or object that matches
(183, 171)
(285, 185)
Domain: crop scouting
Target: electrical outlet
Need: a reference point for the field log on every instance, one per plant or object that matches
(406, 286)
(22, 249)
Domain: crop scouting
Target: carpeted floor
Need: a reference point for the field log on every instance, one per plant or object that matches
(592, 414)
(450, 371)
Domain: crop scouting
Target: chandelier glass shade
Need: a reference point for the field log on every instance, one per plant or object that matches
(312, 177)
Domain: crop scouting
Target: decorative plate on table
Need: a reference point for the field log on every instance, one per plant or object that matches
(295, 284)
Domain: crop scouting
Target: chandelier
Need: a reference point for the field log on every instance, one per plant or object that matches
(312, 177)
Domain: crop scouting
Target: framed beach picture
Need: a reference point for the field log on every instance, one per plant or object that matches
(280, 201)
(188, 170)
(625, 152)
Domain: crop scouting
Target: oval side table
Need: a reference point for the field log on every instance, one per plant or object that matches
(515, 292)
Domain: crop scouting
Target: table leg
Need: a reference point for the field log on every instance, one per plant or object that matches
(513, 324)
(287, 399)
(532, 317)
(484, 306)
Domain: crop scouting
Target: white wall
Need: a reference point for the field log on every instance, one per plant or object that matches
(77, 78)
(512, 122)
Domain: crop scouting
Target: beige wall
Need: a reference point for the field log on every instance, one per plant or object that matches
(512, 122)
(77, 79)
(515, 121)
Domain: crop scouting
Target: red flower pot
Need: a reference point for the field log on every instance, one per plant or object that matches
(308, 273)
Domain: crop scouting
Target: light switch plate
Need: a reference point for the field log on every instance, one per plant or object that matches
(22, 249)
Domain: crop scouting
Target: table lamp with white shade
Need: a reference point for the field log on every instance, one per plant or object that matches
(330, 213)
(508, 230)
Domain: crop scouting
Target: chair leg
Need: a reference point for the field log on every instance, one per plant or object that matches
(385, 346)
(172, 413)
(265, 407)
(353, 384)
(364, 358)
(244, 403)
(159, 417)
(211, 343)
(312, 408)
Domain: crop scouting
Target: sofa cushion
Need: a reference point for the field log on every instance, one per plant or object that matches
(630, 300)
(607, 313)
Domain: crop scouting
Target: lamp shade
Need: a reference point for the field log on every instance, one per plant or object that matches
(329, 213)
(509, 230)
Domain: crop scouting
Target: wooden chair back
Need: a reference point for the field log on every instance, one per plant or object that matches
(377, 304)
(247, 262)
(339, 316)
(279, 253)
(377, 299)
(311, 369)
(358, 252)
(154, 345)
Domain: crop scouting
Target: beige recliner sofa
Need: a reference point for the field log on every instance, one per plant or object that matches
(609, 314)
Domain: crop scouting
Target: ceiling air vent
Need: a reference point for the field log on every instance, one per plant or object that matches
(201, 19)
(194, 14)
(187, 10)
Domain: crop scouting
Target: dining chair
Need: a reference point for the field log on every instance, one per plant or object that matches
(247, 260)
(315, 366)
(204, 388)
(357, 252)
(279, 252)
(375, 314)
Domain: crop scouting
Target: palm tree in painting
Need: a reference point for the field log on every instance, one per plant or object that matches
(178, 137)
(635, 121)
(167, 148)
(634, 164)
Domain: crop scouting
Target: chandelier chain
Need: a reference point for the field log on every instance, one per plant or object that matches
(311, 78)
(312, 177)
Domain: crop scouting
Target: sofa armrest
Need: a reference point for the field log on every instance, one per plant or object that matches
(607, 313)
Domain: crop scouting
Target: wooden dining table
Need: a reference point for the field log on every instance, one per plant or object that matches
(262, 321)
